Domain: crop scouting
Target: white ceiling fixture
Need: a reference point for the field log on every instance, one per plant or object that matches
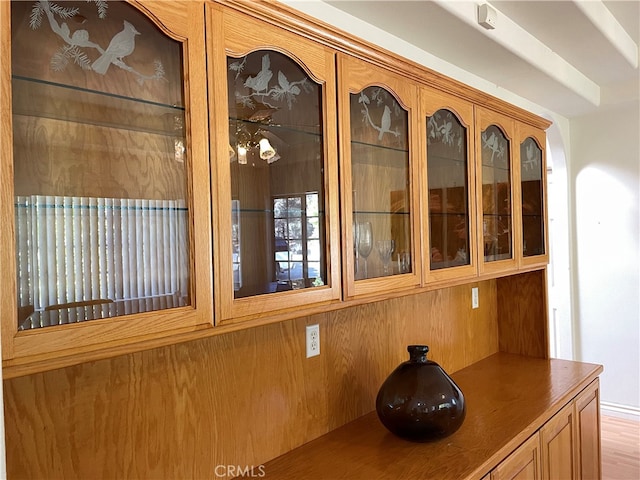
(487, 16)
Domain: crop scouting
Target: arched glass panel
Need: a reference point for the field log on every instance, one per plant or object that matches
(277, 183)
(380, 180)
(496, 195)
(447, 172)
(533, 235)
(99, 147)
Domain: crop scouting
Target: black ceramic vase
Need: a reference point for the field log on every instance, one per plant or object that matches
(419, 401)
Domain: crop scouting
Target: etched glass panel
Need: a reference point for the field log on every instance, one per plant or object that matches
(448, 191)
(276, 161)
(380, 179)
(99, 148)
(496, 195)
(533, 235)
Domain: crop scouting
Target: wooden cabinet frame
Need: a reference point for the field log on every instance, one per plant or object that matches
(523, 464)
(483, 119)
(26, 351)
(588, 441)
(432, 101)
(341, 63)
(523, 132)
(354, 76)
(237, 34)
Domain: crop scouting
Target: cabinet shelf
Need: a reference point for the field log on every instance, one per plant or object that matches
(44, 99)
(98, 310)
(440, 161)
(496, 167)
(313, 130)
(374, 212)
(433, 213)
(377, 147)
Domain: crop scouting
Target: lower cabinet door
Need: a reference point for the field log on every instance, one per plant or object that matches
(558, 443)
(588, 432)
(522, 464)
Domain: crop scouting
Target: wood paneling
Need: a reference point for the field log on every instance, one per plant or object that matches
(240, 398)
(523, 325)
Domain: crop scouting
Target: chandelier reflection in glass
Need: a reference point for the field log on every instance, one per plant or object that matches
(247, 142)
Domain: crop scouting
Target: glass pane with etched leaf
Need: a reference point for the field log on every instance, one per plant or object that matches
(99, 145)
(276, 162)
(533, 234)
(496, 195)
(447, 172)
(380, 181)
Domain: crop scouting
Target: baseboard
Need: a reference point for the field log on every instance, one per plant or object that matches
(621, 411)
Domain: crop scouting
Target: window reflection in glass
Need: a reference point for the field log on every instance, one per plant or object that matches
(276, 161)
(99, 148)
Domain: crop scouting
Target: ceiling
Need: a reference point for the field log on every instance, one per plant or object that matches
(571, 57)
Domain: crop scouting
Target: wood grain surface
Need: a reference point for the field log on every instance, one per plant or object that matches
(523, 325)
(240, 398)
(508, 397)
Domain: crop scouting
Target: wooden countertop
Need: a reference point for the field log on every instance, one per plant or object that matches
(508, 397)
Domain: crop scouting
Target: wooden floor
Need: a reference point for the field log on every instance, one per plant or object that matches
(620, 448)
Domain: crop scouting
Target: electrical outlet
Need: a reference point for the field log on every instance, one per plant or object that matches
(313, 340)
(474, 297)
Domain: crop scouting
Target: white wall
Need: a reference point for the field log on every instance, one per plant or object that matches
(559, 272)
(605, 179)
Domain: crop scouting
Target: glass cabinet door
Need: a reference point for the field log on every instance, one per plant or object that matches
(103, 149)
(378, 174)
(532, 246)
(450, 188)
(275, 172)
(495, 191)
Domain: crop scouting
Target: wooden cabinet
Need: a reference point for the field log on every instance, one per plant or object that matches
(269, 170)
(379, 173)
(448, 189)
(523, 464)
(558, 443)
(494, 137)
(105, 201)
(273, 118)
(566, 447)
(588, 461)
(520, 428)
(531, 215)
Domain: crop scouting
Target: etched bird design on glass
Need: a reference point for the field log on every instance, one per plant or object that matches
(260, 82)
(532, 155)
(121, 45)
(385, 123)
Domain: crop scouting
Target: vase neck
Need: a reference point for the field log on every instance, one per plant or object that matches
(418, 353)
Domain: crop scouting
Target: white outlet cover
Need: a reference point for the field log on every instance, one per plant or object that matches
(313, 340)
